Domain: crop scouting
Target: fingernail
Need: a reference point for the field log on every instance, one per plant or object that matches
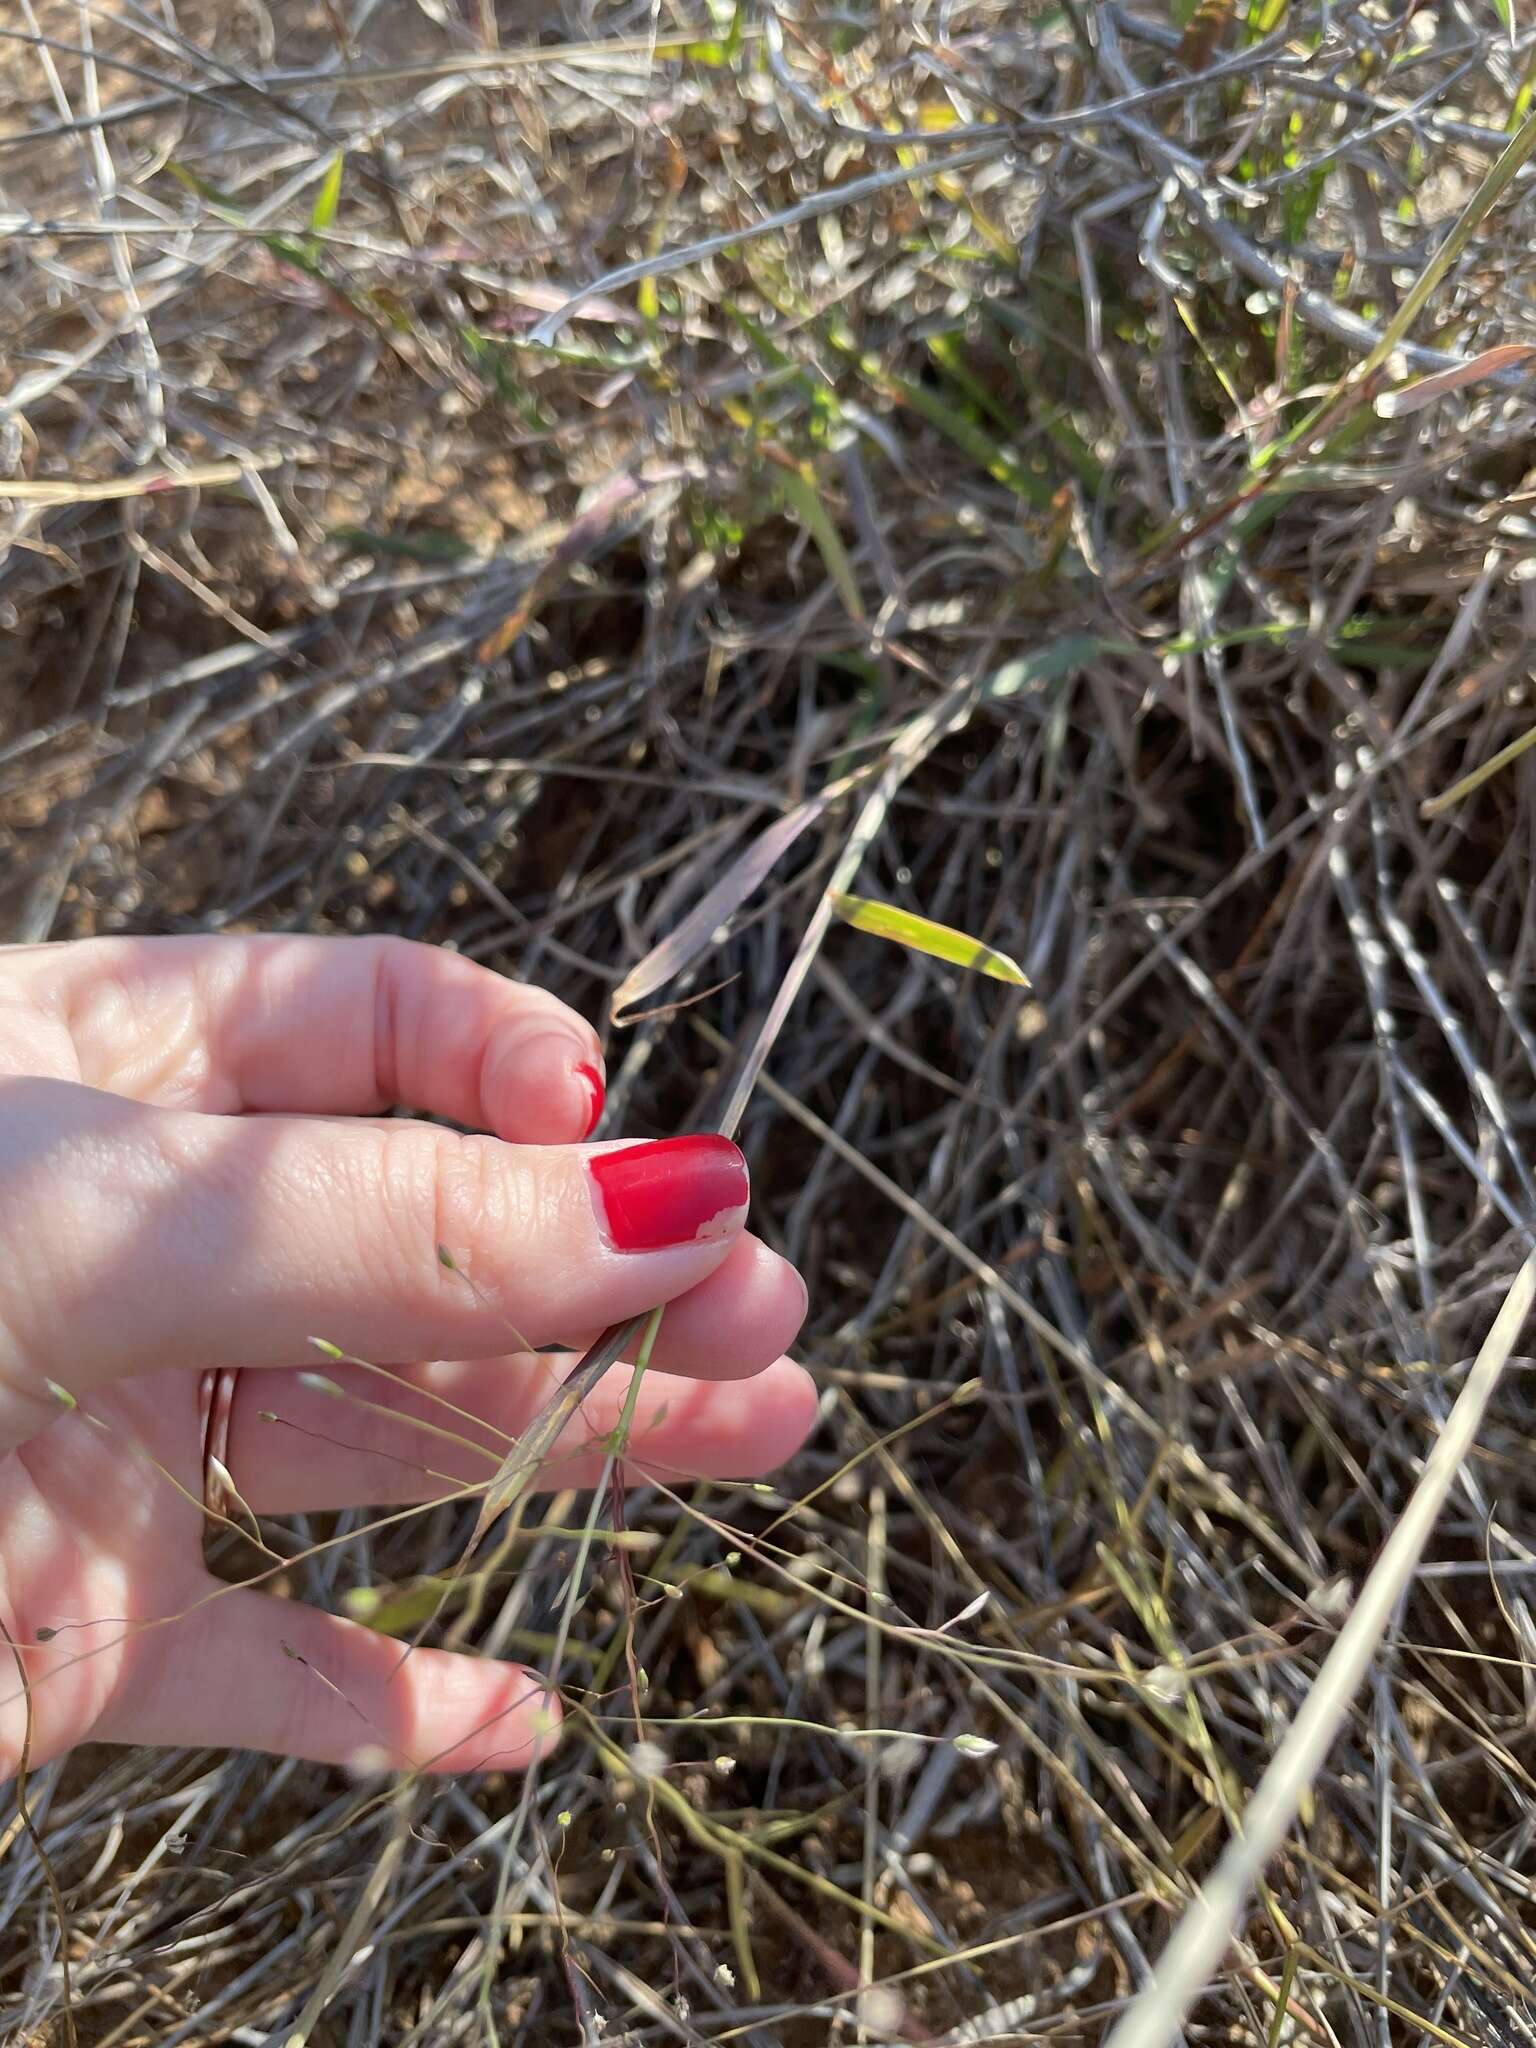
(599, 1094)
(676, 1191)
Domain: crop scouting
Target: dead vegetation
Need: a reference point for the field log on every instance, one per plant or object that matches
(468, 473)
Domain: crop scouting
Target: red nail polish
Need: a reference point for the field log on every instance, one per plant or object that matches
(676, 1191)
(598, 1093)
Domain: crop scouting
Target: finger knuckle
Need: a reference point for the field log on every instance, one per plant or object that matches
(456, 1200)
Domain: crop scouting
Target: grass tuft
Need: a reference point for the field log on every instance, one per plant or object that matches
(610, 487)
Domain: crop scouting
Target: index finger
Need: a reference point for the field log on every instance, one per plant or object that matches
(329, 1026)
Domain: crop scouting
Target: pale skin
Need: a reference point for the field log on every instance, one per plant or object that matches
(195, 1171)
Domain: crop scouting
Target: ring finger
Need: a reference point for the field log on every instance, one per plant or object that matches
(302, 1442)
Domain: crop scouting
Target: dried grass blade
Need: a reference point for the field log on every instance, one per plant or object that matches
(833, 199)
(1491, 188)
(688, 939)
(615, 500)
(520, 1466)
(1411, 398)
(910, 748)
(62, 490)
(1157, 2013)
(1206, 27)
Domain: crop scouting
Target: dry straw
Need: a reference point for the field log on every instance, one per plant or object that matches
(599, 486)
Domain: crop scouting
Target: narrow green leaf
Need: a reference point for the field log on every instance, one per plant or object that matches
(1434, 806)
(396, 1611)
(808, 508)
(1523, 97)
(200, 187)
(1495, 182)
(1047, 664)
(1300, 201)
(1282, 2011)
(328, 198)
(999, 462)
(300, 256)
(948, 352)
(415, 547)
(1055, 422)
(191, 182)
(922, 935)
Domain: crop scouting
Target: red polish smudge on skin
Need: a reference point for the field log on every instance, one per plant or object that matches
(676, 1191)
(598, 1093)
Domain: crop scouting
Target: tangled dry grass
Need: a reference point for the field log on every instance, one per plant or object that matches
(1006, 412)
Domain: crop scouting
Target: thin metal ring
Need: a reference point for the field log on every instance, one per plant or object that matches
(215, 1398)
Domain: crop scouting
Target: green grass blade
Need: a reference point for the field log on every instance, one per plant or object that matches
(228, 208)
(1495, 182)
(999, 462)
(1047, 664)
(805, 502)
(395, 1612)
(1283, 1998)
(922, 935)
(328, 198)
(1433, 806)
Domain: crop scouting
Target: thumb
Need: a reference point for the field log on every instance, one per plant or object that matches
(138, 1238)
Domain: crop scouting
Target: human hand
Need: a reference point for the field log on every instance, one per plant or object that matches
(194, 1173)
